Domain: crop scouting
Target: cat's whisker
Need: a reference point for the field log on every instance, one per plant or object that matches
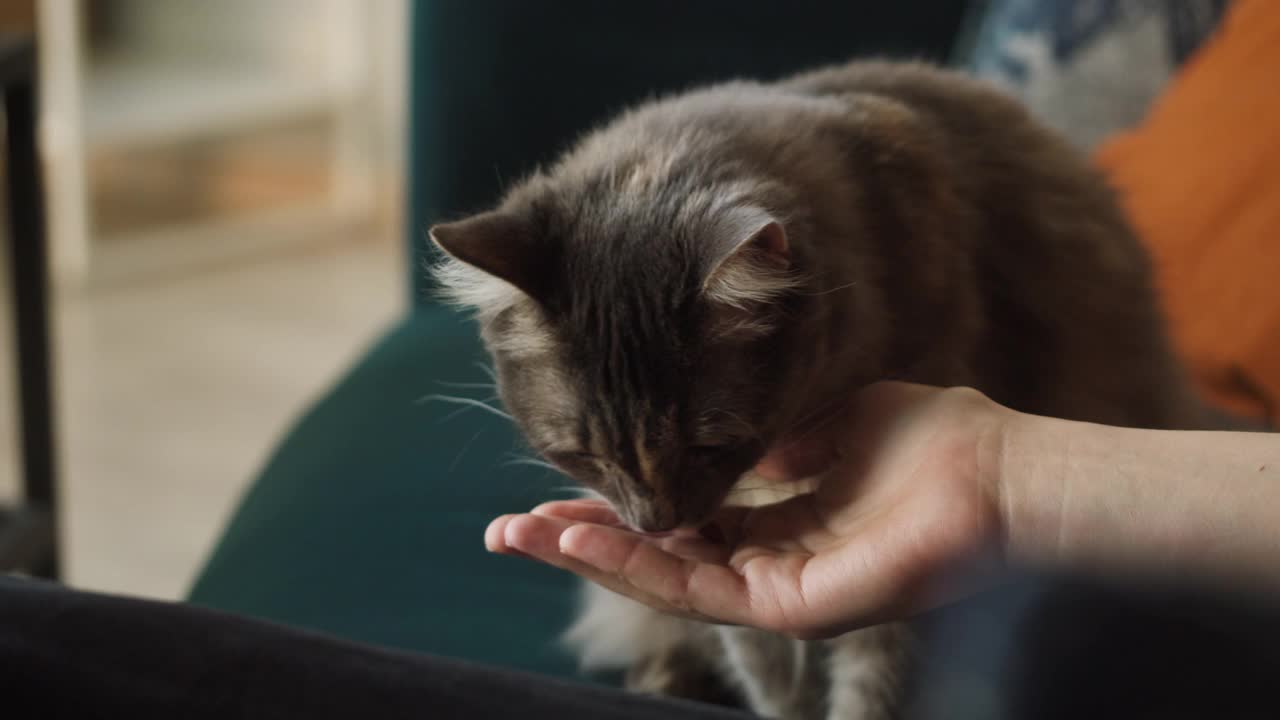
(833, 409)
(735, 418)
(828, 291)
(532, 462)
(820, 409)
(466, 385)
(572, 490)
(463, 451)
(487, 370)
(815, 428)
(452, 415)
(824, 413)
(469, 402)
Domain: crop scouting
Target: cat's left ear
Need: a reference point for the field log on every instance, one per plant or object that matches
(750, 261)
(501, 243)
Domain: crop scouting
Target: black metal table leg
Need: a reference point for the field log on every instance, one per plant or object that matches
(28, 532)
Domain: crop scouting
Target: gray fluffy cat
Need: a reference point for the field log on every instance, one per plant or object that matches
(710, 272)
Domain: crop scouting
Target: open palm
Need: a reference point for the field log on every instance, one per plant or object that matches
(897, 525)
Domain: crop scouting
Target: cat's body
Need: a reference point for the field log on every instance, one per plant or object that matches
(713, 271)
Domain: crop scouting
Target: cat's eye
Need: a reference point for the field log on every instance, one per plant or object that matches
(581, 466)
(708, 450)
(718, 452)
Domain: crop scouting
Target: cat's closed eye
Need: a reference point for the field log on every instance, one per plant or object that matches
(708, 451)
(716, 452)
(575, 462)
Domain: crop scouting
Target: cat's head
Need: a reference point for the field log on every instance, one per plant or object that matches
(637, 331)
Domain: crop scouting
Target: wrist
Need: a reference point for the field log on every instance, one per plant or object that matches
(1087, 496)
(1024, 484)
(1120, 500)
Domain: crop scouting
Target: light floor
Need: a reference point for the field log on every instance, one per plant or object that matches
(173, 390)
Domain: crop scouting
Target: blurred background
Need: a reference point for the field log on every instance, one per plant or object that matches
(224, 209)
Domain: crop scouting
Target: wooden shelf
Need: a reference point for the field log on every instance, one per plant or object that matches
(138, 100)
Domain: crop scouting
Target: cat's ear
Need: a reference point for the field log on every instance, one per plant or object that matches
(501, 243)
(750, 262)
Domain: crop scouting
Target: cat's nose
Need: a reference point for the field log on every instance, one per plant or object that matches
(656, 525)
(653, 518)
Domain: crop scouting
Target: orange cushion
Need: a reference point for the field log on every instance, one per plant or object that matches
(1200, 179)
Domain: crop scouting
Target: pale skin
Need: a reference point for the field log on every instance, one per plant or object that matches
(928, 495)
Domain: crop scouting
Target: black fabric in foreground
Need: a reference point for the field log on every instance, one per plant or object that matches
(66, 654)
(1035, 648)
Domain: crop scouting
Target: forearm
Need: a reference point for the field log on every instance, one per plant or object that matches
(1093, 497)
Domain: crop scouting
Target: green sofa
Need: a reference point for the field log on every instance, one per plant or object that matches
(367, 521)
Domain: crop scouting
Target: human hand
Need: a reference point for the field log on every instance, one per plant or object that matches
(909, 502)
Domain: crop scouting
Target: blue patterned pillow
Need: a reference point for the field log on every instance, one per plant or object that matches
(1089, 67)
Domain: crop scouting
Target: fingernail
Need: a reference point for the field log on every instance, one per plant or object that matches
(566, 540)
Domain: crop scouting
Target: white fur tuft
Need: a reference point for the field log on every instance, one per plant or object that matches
(747, 280)
(471, 288)
(613, 632)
